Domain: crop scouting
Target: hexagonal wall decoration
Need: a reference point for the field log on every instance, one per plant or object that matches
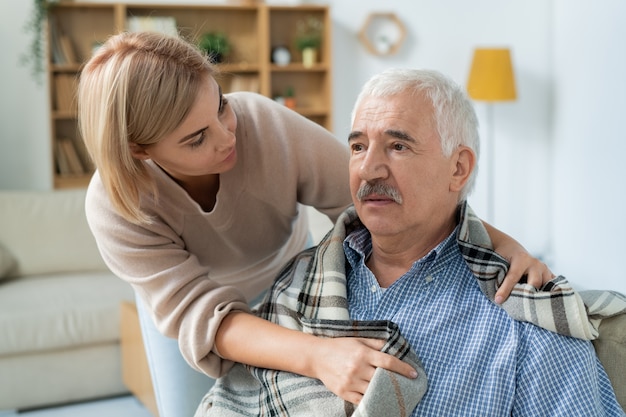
(382, 33)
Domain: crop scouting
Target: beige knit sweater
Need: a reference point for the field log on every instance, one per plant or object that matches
(191, 268)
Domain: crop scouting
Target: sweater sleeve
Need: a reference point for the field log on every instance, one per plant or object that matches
(315, 161)
(183, 301)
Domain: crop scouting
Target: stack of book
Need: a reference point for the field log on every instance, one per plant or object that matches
(161, 24)
(245, 83)
(71, 157)
(62, 49)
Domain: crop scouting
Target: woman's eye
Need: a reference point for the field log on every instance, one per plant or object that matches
(223, 103)
(199, 141)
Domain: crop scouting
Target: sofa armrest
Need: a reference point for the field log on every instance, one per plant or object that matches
(611, 349)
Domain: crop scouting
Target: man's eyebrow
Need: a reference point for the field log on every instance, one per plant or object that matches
(398, 134)
(354, 134)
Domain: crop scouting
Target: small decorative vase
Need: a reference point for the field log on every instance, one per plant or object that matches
(309, 57)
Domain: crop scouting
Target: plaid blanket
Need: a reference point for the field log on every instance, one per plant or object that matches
(555, 306)
(310, 296)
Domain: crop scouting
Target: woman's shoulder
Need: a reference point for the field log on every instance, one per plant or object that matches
(244, 99)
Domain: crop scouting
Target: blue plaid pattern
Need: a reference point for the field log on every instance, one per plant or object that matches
(478, 359)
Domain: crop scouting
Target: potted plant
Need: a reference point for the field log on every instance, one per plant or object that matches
(216, 45)
(308, 38)
(36, 53)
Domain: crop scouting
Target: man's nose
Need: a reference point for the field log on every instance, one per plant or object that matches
(374, 165)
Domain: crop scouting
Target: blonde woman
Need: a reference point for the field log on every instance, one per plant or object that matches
(197, 203)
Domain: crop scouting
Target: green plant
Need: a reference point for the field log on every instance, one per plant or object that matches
(35, 55)
(309, 33)
(215, 44)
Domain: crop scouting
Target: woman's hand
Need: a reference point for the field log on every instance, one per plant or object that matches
(346, 365)
(522, 263)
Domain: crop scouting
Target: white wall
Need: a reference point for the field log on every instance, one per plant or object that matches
(25, 159)
(590, 142)
(557, 145)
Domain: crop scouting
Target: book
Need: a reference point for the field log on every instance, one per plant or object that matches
(67, 49)
(83, 155)
(55, 46)
(162, 24)
(63, 166)
(71, 155)
(245, 83)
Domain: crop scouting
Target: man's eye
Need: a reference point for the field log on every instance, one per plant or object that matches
(399, 146)
(356, 147)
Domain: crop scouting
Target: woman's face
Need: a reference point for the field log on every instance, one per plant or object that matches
(203, 144)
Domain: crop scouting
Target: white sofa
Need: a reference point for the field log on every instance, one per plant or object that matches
(59, 304)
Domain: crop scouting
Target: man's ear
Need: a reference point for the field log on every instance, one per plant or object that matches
(138, 151)
(464, 161)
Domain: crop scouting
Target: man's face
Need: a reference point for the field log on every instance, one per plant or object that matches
(394, 144)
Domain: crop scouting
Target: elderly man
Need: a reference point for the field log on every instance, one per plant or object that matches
(411, 264)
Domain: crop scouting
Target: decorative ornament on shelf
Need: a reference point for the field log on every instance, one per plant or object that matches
(382, 33)
(290, 98)
(308, 39)
(216, 45)
(281, 55)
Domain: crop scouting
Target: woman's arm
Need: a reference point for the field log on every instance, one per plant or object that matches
(522, 263)
(344, 365)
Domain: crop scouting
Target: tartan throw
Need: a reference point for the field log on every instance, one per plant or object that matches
(555, 306)
(310, 296)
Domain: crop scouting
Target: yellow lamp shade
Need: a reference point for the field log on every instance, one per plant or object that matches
(491, 77)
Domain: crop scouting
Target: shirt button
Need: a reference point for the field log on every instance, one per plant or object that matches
(373, 289)
(429, 278)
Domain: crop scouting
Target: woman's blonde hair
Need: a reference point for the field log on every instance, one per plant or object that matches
(137, 88)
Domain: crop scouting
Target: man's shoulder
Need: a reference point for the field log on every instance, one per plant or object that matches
(537, 338)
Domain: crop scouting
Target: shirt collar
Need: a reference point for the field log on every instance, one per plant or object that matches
(358, 246)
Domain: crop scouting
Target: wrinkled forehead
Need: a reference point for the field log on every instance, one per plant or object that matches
(400, 111)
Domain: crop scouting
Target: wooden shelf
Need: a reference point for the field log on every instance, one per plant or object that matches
(252, 29)
(299, 67)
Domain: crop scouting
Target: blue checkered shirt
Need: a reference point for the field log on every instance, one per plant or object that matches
(479, 361)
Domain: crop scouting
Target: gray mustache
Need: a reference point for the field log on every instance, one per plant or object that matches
(378, 188)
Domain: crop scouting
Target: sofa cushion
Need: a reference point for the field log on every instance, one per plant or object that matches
(611, 349)
(40, 313)
(47, 232)
(6, 262)
(57, 377)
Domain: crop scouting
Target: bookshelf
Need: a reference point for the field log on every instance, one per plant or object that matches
(253, 30)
